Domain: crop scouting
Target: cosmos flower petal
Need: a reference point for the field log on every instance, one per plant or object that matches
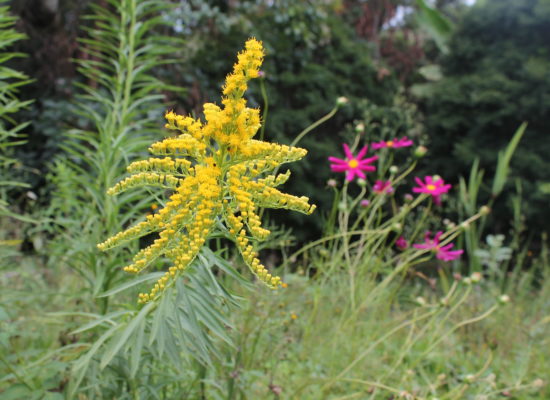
(449, 255)
(339, 168)
(362, 153)
(347, 151)
(377, 146)
(337, 160)
(368, 160)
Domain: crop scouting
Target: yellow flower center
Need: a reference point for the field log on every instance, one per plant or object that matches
(430, 187)
(353, 163)
(389, 143)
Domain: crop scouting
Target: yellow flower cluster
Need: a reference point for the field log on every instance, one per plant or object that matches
(217, 172)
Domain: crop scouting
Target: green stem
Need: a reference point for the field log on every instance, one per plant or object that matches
(266, 107)
(314, 125)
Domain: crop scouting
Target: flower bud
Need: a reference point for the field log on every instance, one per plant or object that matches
(470, 378)
(342, 206)
(504, 299)
(408, 198)
(364, 203)
(421, 301)
(332, 183)
(361, 182)
(476, 277)
(394, 169)
(538, 383)
(360, 127)
(340, 101)
(31, 195)
(420, 151)
(397, 227)
(484, 210)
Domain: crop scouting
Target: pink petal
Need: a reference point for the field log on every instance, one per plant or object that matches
(347, 151)
(446, 247)
(339, 168)
(419, 181)
(360, 174)
(368, 160)
(337, 160)
(449, 255)
(351, 174)
(379, 145)
(362, 153)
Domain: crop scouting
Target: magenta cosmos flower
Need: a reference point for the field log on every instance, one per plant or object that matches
(443, 253)
(435, 187)
(353, 165)
(402, 243)
(393, 143)
(381, 187)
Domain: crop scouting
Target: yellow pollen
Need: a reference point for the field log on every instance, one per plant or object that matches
(430, 187)
(389, 143)
(353, 163)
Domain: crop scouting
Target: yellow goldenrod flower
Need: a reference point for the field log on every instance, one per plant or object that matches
(217, 173)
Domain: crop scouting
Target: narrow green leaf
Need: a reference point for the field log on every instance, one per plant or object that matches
(134, 282)
(116, 344)
(504, 158)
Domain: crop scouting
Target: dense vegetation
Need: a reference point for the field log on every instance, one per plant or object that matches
(422, 273)
(496, 76)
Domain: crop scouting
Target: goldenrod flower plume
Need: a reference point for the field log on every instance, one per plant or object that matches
(216, 173)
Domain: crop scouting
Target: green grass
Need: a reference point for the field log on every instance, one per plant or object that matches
(308, 342)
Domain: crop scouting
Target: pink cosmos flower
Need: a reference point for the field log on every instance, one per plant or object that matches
(435, 187)
(353, 165)
(381, 187)
(443, 253)
(402, 243)
(393, 143)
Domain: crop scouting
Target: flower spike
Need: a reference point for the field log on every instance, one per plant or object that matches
(216, 172)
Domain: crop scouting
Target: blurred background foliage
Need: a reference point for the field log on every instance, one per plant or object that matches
(460, 81)
(495, 76)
